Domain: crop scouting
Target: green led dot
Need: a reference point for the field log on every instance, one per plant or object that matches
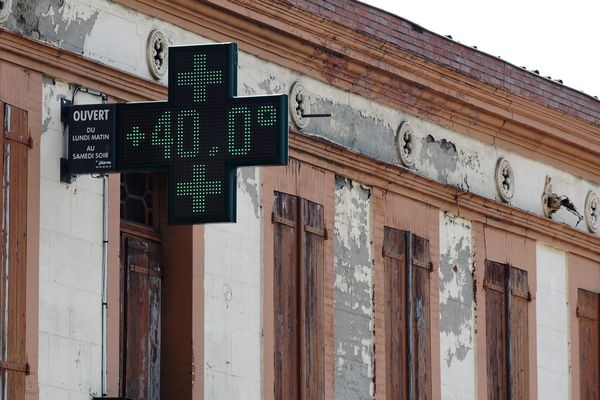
(199, 78)
(136, 136)
(231, 124)
(267, 115)
(161, 135)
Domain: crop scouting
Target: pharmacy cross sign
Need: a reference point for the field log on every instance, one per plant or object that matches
(198, 136)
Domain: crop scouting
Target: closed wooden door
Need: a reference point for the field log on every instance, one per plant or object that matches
(141, 328)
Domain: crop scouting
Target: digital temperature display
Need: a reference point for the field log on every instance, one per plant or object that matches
(202, 133)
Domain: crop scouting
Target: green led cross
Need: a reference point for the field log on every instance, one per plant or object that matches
(136, 136)
(202, 133)
(199, 77)
(198, 188)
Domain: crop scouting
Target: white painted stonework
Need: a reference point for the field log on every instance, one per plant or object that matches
(70, 267)
(457, 315)
(552, 324)
(233, 302)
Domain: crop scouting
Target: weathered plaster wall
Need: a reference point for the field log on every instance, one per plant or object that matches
(457, 309)
(70, 277)
(92, 27)
(552, 324)
(70, 267)
(232, 353)
(353, 298)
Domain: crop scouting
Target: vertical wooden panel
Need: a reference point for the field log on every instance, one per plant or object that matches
(5, 257)
(285, 250)
(141, 364)
(13, 362)
(421, 318)
(311, 264)
(589, 355)
(394, 252)
(519, 337)
(154, 328)
(496, 324)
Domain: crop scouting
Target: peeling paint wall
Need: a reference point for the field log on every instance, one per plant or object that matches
(552, 324)
(232, 341)
(353, 297)
(70, 267)
(61, 22)
(88, 27)
(457, 309)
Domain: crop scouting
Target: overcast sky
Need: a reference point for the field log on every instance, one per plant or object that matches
(561, 39)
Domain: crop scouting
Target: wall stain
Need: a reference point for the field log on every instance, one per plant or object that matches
(353, 129)
(56, 21)
(248, 182)
(441, 154)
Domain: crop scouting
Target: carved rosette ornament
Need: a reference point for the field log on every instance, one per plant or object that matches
(157, 54)
(505, 180)
(405, 144)
(299, 105)
(5, 7)
(592, 212)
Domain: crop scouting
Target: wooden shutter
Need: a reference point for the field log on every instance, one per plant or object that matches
(507, 325)
(286, 302)
(299, 236)
(396, 323)
(312, 259)
(420, 268)
(407, 268)
(519, 334)
(496, 328)
(142, 275)
(13, 169)
(588, 311)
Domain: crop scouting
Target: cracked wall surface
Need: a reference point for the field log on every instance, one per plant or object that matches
(353, 297)
(457, 309)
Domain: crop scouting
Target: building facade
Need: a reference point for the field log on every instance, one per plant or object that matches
(435, 236)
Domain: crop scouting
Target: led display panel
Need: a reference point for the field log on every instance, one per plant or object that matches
(202, 133)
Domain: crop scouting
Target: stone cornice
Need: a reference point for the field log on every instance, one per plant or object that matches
(39, 56)
(70, 67)
(297, 39)
(395, 179)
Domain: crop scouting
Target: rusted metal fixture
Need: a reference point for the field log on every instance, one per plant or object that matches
(552, 202)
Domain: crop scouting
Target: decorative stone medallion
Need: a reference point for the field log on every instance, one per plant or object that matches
(299, 105)
(405, 144)
(5, 6)
(157, 54)
(505, 180)
(592, 212)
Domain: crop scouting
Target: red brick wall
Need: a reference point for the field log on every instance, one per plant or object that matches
(476, 64)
